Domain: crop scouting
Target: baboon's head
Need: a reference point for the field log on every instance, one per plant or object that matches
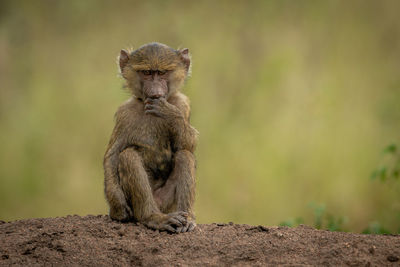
(154, 70)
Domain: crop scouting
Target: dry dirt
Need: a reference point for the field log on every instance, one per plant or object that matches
(98, 241)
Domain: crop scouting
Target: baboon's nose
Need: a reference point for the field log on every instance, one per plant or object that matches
(156, 96)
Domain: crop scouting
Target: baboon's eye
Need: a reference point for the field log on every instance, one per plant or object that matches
(161, 72)
(146, 72)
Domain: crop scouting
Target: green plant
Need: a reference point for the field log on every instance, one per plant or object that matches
(388, 171)
(292, 222)
(322, 219)
(375, 228)
(390, 164)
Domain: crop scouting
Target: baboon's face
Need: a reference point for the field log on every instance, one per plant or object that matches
(155, 83)
(154, 70)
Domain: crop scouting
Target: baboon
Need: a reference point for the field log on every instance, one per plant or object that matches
(149, 165)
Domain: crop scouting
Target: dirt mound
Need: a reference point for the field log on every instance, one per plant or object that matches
(98, 241)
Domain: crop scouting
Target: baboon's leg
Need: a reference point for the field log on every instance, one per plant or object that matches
(119, 209)
(178, 193)
(135, 183)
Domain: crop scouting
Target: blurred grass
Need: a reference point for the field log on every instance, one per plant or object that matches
(294, 101)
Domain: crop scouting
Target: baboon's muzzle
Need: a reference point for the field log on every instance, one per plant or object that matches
(155, 89)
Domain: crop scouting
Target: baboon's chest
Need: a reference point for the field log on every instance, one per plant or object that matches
(153, 141)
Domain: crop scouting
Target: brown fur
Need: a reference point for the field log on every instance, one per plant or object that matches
(149, 165)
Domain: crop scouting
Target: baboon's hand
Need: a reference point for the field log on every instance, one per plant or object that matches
(161, 108)
(172, 222)
(190, 225)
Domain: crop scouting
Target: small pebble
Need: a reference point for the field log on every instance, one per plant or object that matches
(372, 250)
(392, 258)
(280, 235)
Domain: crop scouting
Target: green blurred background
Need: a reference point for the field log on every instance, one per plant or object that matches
(294, 101)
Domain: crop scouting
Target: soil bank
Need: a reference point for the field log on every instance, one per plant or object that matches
(99, 241)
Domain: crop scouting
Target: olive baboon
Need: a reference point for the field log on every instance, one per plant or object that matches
(149, 165)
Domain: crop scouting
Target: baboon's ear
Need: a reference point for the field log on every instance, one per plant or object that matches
(123, 59)
(185, 56)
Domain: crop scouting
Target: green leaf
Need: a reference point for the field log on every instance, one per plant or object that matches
(396, 173)
(299, 220)
(292, 222)
(390, 149)
(288, 223)
(319, 210)
(374, 175)
(382, 173)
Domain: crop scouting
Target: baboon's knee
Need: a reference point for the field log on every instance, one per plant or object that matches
(128, 159)
(185, 157)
